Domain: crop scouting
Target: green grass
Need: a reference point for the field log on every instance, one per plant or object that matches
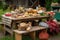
(6, 38)
(11, 38)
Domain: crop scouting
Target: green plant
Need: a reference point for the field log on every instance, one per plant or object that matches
(0, 4)
(58, 1)
(55, 1)
(48, 5)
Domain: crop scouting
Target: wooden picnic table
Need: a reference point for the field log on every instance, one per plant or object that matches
(10, 23)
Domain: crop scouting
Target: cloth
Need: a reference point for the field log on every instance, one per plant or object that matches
(43, 24)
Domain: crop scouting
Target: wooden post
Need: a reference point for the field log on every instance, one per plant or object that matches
(32, 35)
(18, 36)
(4, 29)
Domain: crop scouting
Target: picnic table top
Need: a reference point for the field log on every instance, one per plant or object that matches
(25, 17)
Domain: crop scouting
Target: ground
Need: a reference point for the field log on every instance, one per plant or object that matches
(2, 37)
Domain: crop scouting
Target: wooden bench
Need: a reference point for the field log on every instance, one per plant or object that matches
(32, 32)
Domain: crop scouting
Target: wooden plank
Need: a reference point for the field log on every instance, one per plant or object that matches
(6, 21)
(8, 30)
(18, 36)
(24, 18)
(33, 29)
(33, 35)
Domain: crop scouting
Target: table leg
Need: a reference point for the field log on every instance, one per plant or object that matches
(32, 35)
(4, 29)
(18, 36)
